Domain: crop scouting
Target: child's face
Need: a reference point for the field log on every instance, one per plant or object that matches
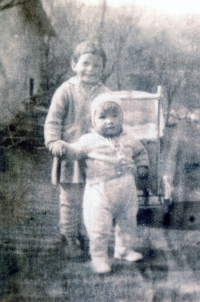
(108, 121)
(89, 68)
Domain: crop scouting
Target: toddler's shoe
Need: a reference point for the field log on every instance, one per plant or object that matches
(73, 249)
(129, 255)
(100, 266)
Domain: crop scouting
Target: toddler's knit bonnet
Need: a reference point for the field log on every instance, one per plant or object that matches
(103, 98)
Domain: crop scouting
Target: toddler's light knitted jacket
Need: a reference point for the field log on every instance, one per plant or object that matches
(108, 158)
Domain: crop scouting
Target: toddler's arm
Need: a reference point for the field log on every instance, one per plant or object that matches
(63, 149)
(140, 155)
(143, 172)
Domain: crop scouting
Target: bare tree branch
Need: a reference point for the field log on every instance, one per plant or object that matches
(10, 4)
(100, 31)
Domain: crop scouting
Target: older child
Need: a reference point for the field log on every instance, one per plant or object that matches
(68, 118)
(112, 159)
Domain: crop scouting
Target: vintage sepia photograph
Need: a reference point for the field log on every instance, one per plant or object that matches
(100, 151)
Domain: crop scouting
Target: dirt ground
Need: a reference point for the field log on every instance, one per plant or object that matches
(31, 270)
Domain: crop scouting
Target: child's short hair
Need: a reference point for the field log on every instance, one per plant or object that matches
(89, 47)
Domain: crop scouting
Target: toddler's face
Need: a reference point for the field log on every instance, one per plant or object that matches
(89, 68)
(108, 120)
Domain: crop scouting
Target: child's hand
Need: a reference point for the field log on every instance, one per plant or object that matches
(143, 172)
(59, 148)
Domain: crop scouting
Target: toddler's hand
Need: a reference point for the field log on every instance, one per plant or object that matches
(143, 172)
(59, 149)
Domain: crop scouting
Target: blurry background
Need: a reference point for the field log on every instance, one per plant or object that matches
(148, 43)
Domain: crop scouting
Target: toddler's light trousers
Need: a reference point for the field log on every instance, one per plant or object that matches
(104, 201)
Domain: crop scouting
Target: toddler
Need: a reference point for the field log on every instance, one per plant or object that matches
(68, 118)
(113, 157)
